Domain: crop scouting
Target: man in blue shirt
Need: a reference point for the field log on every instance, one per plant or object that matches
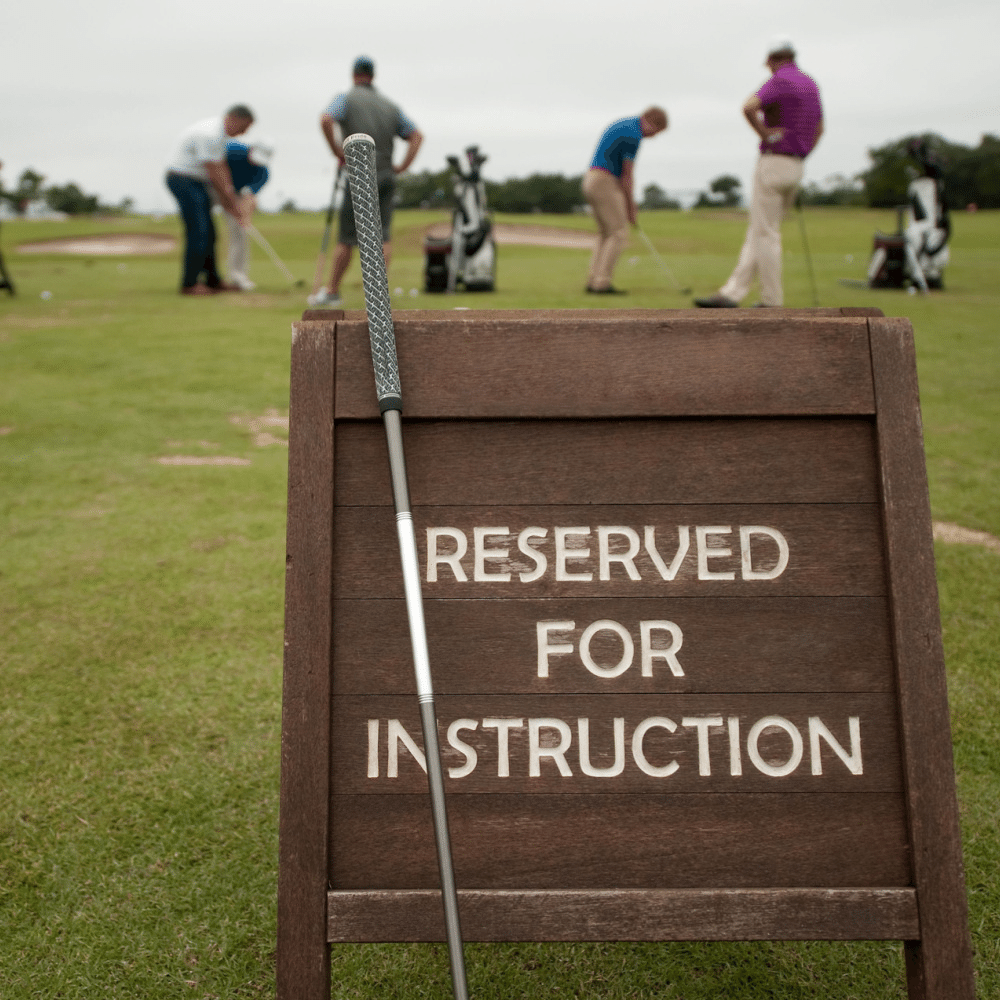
(608, 187)
(248, 165)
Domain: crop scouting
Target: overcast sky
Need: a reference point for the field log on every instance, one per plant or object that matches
(97, 92)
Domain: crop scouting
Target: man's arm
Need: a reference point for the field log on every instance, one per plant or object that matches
(627, 182)
(819, 133)
(222, 181)
(329, 129)
(753, 111)
(412, 147)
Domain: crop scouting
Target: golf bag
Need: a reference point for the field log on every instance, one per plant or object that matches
(916, 254)
(468, 256)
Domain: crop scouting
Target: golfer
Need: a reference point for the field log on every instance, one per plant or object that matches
(364, 109)
(608, 187)
(787, 115)
(197, 170)
(248, 167)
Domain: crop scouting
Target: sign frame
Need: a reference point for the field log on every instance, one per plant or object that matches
(651, 364)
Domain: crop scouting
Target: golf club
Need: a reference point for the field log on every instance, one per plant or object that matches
(324, 250)
(359, 150)
(805, 244)
(275, 259)
(663, 264)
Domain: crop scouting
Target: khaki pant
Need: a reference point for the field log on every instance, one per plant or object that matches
(775, 182)
(604, 194)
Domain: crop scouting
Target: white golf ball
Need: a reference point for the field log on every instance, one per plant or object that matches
(397, 291)
(911, 290)
(46, 295)
(413, 293)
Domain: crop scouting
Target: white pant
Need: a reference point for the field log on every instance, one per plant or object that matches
(239, 248)
(775, 182)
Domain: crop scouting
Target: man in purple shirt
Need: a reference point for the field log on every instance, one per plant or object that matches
(787, 115)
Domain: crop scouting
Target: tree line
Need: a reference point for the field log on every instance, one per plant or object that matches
(971, 175)
(68, 198)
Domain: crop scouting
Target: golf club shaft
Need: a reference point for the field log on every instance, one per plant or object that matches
(269, 250)
(321, 260)
(805, 245)
(360, 153)
(663, 264)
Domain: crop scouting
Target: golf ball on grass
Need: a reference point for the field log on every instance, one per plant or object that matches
(46, 295)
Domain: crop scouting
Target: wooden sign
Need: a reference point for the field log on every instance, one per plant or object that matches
(682, 615)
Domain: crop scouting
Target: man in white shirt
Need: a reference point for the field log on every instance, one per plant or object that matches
(197, 168)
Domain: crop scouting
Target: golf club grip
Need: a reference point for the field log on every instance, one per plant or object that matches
(359, 151)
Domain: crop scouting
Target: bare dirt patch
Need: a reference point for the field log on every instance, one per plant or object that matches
(955, 534)
(202, 460)
(539, 236)
(104, 245)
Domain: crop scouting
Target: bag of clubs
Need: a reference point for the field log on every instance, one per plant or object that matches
(917, 253)
(468, 256)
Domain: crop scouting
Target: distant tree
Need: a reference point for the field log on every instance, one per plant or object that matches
(725, 193)
(29, 187)
(553, 193)
(70, 199)
(424, 189)
(654, 198)
(289, 206)
(971, 174)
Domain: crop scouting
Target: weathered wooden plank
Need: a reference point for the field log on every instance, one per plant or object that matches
(579, 315)
(728, 644)
(303, 963)
(940, 966)
(725, 366)
(628, 915)
(833, 550)
(624, 842)
(722, 743)
(615, 461)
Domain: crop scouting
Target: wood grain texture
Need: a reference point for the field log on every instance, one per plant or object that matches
(878, 744)
(834, 550)
(729, 644)
(940, 966)
(624, 842)
(615, 461)
(629, 915)
(303, 958)
(648, 366)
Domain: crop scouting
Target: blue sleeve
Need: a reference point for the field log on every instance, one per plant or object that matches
(405, 127)
(337, 108)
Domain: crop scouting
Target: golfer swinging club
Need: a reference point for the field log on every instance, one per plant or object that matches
(787, 115)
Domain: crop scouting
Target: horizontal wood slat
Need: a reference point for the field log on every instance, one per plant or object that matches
(647, 366)
(834, 549)
(729, 644)
(628, 915)
(625, 841)
(614, 461)
(719, 750)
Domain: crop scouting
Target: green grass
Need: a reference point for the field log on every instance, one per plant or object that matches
(141, 613)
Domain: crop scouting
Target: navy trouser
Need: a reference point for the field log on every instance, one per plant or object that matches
(196, 211)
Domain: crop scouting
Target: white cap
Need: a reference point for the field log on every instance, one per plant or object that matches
(260, 153)
(780, 43)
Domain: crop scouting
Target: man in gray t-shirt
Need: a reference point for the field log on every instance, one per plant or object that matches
(364, 109)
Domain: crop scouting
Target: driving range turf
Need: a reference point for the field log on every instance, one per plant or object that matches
(141, 605)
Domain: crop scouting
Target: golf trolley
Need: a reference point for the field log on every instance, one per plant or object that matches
(917, 253)
(468, 256)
